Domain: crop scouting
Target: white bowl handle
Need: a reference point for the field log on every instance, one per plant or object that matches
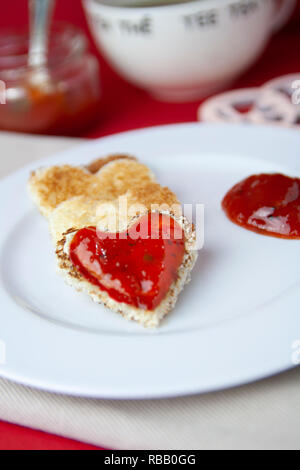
(283, 13)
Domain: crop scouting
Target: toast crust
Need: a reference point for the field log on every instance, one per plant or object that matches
(95, 166)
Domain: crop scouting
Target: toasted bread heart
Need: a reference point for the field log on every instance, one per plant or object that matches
(117, 174)
(139, 279)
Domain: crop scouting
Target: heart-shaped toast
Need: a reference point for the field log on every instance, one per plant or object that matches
(119, 236)
(137, 271)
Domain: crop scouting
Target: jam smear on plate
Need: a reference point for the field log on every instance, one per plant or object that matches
(268, 204)
(136, 267)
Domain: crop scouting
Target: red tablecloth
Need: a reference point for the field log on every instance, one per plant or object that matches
(126, 108)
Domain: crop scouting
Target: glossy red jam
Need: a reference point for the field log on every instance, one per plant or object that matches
(137, 267)
(268, 204)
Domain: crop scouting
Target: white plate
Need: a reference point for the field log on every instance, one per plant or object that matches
(236, 322)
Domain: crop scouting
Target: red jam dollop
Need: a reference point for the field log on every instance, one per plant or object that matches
(136, 267)
(268, 204)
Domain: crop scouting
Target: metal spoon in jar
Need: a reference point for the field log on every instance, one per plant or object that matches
(18, 97)
(40, 20)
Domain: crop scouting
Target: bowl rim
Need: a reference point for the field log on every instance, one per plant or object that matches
(200, 4)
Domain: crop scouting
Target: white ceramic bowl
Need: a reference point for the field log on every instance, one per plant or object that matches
(188, 50)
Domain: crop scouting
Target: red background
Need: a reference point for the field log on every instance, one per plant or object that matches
(126, 108)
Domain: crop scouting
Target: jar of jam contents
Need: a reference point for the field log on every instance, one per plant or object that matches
(63, 98)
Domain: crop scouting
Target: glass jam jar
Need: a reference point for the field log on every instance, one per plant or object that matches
(62, 99)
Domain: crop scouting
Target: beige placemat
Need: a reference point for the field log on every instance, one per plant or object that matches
(265, 415)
